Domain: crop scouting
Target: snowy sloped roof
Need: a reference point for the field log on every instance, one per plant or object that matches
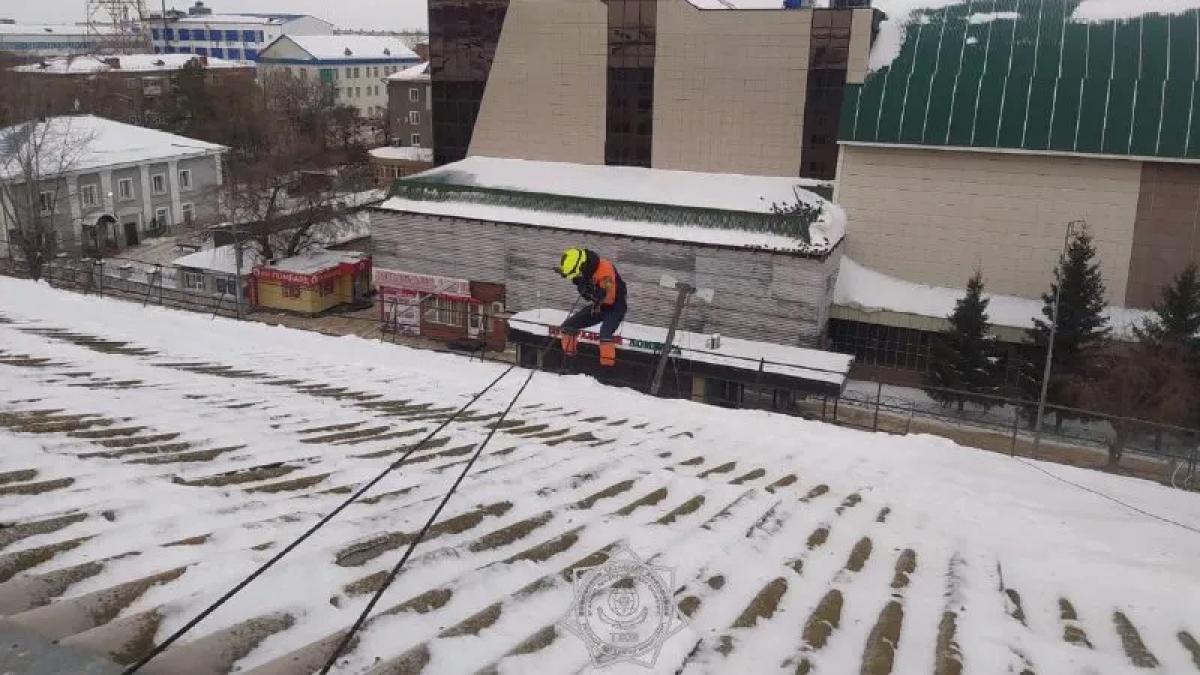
(139, 484)
(706, 208)
(220, 259)
(335, 47)
(417, 73)
(408, 154)
(261, 19)
(68, 30)
(74, 143)
(127, 63)
(809, 364)
(312, 262)
(865, 289)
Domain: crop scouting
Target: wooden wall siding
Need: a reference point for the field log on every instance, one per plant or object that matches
(758, 295)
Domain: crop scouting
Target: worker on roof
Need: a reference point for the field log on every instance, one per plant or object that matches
(599, 283)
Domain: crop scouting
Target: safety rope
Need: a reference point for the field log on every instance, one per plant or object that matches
(161, 647)
(363, 616)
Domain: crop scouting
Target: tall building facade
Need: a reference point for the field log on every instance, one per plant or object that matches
(670, 84)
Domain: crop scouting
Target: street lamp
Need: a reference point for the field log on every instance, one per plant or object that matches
(1041, 411)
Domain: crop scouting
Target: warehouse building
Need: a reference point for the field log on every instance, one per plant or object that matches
(498, 226)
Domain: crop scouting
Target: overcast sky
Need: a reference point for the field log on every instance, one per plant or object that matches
(371, 14)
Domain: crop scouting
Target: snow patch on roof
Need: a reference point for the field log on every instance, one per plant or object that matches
(68, 30)
(865, 289)
(892, 31)
(259, 19)
(221, 260)
(1116, 10)
(127, 63)
(409, 154)
(313, 262)
(334, 47)
(988, 17)
(726, 191)
(417, 73)
(809, 364)
(73, 143)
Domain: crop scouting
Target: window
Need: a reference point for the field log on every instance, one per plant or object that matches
(328, 287)
(188, 212)
(226, 285)
(125, 189)
(231, 36)
(414, 117)
(153, 33)
(724, 393)
(88, 195)
(218, 52)
(258, 36)
(375, 70)
(444, 312)
(358, 92)
(202, 51)
(247, 36)
(158, 184)
(46, 202)
(415, 139)
(349, 73)
(251, 54)
(170, 34)
(356, 72)
(214, 36)
(414, 94)
(184, 34)
(162, 217)
(235, 54)
(193, 281)
(291, 291)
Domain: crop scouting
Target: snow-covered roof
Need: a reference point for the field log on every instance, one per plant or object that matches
(259, 19)
(808, 364)
(126, 63)
(703, 208)
(409, 154)
(220, 259)
(75, 143)
(417, 73)
(353, 47)
(1118, 10)
(865, 289)
(128, 512)
(69, 30)
(315, 261)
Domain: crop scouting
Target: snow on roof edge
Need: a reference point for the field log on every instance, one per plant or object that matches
(867, 290)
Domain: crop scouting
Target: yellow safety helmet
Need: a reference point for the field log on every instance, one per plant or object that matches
(572, 262)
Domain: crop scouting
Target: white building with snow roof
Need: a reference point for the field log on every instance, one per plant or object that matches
(353, 65)
(104, 184)
(235, 36)
(495, 228)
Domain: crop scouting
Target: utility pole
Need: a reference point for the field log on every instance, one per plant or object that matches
(685, 291)
(237, 256)
(1041, 411)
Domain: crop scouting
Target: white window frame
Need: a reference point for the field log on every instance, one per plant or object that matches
(415, 139)
(165, 219)
(414, 94)
(125, 189)
(414, 117)
(185, 179)
(193, 281)
(158, 184)
(185, 210)
(89, 196)
(443, 312)
(46, 202)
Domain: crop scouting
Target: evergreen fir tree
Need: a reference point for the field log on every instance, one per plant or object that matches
(1082, 326)
(190, 110)
(965, 357)
(1177, 315)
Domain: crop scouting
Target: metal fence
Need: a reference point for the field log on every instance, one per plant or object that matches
(1082, 437)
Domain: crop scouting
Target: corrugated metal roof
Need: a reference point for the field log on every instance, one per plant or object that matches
(970, 75)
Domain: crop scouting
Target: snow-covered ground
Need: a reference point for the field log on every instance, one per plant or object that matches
(206, 445)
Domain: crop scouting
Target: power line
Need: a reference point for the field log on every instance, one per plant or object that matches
(161, 647)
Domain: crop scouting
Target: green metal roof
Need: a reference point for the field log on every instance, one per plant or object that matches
(1040, 82)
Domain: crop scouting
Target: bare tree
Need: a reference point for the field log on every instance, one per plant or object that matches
(36, 155)
(1144, 381)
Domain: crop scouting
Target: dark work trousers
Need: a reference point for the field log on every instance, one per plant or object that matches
(609, 319)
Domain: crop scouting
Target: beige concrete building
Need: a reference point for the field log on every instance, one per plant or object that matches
(939, 179)
(653, 83)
